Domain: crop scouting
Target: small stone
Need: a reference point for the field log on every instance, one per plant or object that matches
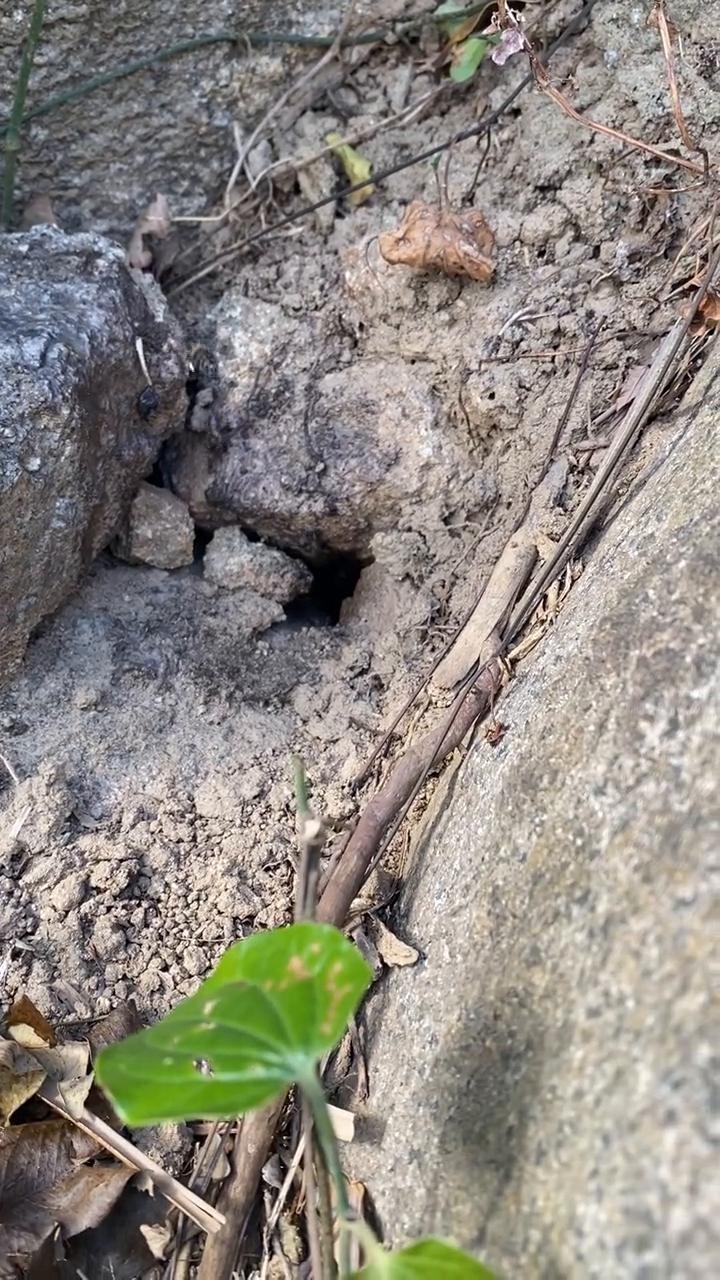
(158, 530)
(107, 939)
(86, 698)
(68, 894)
(233, 561)
(194, 961)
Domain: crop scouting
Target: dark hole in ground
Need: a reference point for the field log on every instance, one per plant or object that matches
(203, 538)
(333, 582)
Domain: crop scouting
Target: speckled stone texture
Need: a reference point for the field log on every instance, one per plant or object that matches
(73, 440)
(540, 1083)
(169, 126)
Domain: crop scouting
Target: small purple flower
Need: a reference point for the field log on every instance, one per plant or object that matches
(511, 42)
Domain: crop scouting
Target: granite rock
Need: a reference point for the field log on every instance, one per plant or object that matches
(234, 562)
(541, 1082)
(74, 436)
(315, 449)
(158, 530)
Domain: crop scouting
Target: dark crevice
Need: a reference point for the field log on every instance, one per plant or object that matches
(334, 581)
(335, 578)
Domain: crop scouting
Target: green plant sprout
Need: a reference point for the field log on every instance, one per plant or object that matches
(468, 50)
(274, 1005)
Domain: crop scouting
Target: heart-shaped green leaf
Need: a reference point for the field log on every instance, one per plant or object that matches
(425, 1260)
(274, 1005)
(467, 59)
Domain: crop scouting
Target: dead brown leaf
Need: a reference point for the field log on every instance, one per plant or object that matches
(709, 308)
(38, 1162)
(154, 221)
(38, 212)
(495, 732)
(65, 1064)
(87, 1195)
(435, 239)
(24, 1014)
(708, 312)
(20, 1077)
(392, 950)
(343, 1123)
(158, 1238)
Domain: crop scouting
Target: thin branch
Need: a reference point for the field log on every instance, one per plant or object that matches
(312, 1218)
(205, 1215)
(314, 1094)
(237, 1197)
(311, 839)
(623, 440)
(544, 83)
(501, 601)
(246, 39)
(666, 41)
(279, 103)
(378, 814)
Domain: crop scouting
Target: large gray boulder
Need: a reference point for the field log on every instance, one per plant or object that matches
(75, 437)
(540, 1083)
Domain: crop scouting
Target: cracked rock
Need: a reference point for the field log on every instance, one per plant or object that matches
(73, 440)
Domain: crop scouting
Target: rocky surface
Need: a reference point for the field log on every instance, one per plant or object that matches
(169, 126)
(152, 724)
(158, 530)
(233, 561)
(310, 447)
(540, 1085)
(74, 440)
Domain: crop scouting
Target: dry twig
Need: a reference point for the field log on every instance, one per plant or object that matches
(544, 83)
(663, 25)
(199, 1211)
(305, 78)
(481, 128)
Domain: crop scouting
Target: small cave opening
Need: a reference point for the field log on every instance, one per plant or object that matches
(334, 581)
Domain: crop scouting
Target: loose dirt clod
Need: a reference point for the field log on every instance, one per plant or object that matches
(431, 238)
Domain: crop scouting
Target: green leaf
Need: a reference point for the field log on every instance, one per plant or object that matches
(449, 24)
(274, 1005)
(357, 168)
(425, 1260)
(467, 59)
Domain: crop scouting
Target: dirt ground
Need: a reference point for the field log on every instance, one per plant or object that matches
(152, 726)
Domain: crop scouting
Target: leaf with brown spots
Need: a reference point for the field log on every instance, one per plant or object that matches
(431, 238)
(275, 1004)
